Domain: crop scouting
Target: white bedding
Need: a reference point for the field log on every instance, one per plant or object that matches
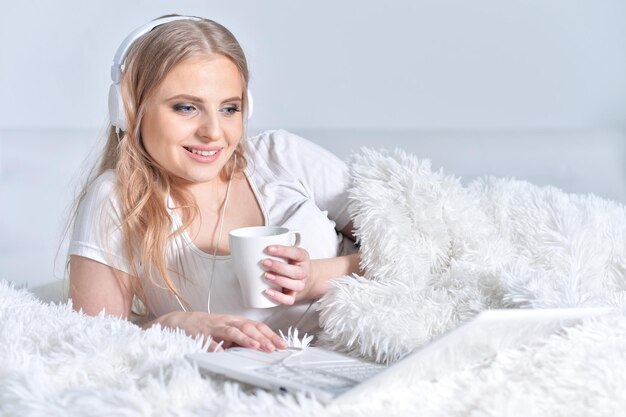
(55, 362)
(436, 253)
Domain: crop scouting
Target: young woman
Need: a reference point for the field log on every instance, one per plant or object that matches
(177, 174)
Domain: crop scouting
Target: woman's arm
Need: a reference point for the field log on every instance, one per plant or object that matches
(324, 270)
(95, 286)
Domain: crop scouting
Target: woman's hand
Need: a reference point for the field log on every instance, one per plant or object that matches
(229, 329)
(295, 277)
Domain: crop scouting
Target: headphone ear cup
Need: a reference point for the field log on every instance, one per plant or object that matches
(117, 117)
(250, 104)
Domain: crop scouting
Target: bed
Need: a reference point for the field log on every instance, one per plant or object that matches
(436, 250)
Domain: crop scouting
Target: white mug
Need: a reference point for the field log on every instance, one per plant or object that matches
(248, 249)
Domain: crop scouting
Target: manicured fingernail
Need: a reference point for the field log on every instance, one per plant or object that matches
(255, 344)
(269, 347)
(271, 248)
(271, 293)
(267, 262)
(270, 277)
(282, 344)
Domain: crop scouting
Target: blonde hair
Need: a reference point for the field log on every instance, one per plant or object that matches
(142, 185)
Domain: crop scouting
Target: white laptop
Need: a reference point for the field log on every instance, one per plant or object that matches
(330, 376)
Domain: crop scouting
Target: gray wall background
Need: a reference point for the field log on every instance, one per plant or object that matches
(419, 64)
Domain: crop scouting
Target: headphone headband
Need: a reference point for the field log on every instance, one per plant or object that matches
(122, 50)
(116, 105)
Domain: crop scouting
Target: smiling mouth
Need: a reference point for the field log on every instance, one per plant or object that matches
(199, 152)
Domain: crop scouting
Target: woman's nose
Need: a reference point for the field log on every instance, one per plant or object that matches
(210, 128)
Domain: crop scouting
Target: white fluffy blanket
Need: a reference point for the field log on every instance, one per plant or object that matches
(435, 252)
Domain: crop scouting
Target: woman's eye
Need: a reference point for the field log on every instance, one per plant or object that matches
(184, 108)
(230, 110)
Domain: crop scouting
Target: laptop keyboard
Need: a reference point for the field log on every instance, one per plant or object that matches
(332, 376)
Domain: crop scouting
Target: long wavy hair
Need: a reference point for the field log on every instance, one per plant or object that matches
(142, 185)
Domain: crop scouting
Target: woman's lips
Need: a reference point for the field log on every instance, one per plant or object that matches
(204, 155)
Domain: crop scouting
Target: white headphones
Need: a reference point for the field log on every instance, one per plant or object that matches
(117, 115)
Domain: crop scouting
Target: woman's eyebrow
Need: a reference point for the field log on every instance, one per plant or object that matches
(199, 99)
(185, 97)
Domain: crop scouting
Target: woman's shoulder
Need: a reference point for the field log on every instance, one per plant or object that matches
(106, 179)
(271, 139)
(103, 184)
(101, 190)
(281, 145)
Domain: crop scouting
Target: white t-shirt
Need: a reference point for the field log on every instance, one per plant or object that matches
(296, 183)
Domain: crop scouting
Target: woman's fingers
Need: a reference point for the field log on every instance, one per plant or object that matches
(234, 335)
(293, 253)
(287, 298)
(252, 330)
(285, 282)
(286, 270)
(292, 277)
(250, 334)
(278, 341)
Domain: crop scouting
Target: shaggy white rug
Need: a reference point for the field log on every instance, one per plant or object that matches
(436, 252)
